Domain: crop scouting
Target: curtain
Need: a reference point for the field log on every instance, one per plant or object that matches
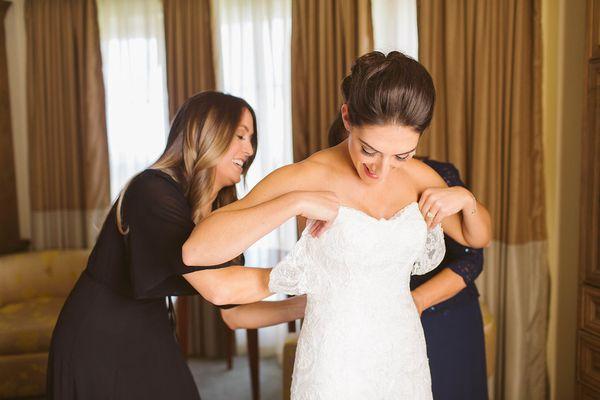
(134, 65)
(327, 36)
(485, 61)
(395, 26)
(253, 57)
(68, 152)
(188, 36)
(190, 69)
(9, 216)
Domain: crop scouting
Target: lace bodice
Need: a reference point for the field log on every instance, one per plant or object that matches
(361, 337)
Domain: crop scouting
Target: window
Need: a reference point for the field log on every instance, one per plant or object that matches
(253, 43)
(134, 67)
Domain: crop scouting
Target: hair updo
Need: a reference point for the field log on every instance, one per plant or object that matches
(392, 89)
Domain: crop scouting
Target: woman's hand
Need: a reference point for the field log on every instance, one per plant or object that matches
(322, 207)
(438, 203)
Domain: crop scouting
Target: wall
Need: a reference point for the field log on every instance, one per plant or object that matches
(563, 25)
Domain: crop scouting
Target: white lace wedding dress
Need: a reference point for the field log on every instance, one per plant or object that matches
(362, 336)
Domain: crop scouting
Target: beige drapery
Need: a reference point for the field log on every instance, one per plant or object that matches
(485, 59)
(190, 69)
(327, 36)
(9, 216)
(188, 39)
(68, 146)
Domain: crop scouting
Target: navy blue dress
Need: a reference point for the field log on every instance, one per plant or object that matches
(454, 328)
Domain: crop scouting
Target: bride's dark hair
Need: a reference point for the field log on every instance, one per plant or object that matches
(389, 89)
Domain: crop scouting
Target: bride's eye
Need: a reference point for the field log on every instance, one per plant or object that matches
(366, 152)
(403, 158)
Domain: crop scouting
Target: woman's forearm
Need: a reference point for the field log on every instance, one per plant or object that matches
(225, 234)
(441, 287)
(476, 225)
(231, 285)
(264, 313)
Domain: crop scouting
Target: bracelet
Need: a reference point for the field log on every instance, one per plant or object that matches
(474, 209)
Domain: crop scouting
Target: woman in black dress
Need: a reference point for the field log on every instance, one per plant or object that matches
(114, 337)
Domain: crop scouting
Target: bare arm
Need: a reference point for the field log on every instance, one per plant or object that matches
(231, 285)
(463, 218)
(265, 313)
(226, 233)
(230, 230)
(441, 287)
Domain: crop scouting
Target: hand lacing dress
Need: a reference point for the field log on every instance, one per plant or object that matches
(362, 336)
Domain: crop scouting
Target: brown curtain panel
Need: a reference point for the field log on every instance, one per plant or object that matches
(485, 58)
(188, 37)
(9, 216)
(68, 146)
(190, 69)
(327, 36)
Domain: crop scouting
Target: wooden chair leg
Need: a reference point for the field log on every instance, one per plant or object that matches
(181, 312)
(230, 348)
(291, 324)
(252, 338)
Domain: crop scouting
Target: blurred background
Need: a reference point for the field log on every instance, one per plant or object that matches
(88, 87)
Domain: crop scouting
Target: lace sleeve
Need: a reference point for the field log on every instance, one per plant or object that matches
(465, 261)
(432, 254)
(289, 275)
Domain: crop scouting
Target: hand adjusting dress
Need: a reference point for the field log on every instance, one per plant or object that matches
(113, 339)
(362, 336)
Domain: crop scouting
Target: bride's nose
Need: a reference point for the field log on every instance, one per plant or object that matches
(382, 167)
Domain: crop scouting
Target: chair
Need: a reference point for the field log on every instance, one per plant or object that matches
(33, 288)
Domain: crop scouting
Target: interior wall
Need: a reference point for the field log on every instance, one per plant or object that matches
(563, 25)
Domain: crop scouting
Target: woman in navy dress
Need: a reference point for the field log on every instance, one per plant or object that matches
(451, 315)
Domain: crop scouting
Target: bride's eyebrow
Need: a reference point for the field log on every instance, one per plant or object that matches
(406, 152)
(369, 146)
(374, 149)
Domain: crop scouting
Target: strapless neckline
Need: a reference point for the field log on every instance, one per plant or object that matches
(382, 219)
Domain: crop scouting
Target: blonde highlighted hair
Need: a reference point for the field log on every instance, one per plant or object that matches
(200, 134)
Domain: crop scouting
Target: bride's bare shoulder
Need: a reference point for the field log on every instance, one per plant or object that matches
(422, 175)
(312, 172)
(308, 174)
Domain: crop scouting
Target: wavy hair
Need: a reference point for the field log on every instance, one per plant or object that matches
(200, 134)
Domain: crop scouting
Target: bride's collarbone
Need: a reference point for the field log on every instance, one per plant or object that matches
(379, 204)
(383, 201)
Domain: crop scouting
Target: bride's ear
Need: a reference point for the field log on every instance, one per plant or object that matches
(345, 117)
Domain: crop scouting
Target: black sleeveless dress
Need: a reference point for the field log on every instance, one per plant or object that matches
(114, 338)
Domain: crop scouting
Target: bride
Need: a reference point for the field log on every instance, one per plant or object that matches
(376, 217)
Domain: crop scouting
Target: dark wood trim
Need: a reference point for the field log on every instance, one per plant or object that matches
(182, 313)
(253, 360)
(593, 40)
(588, 337)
